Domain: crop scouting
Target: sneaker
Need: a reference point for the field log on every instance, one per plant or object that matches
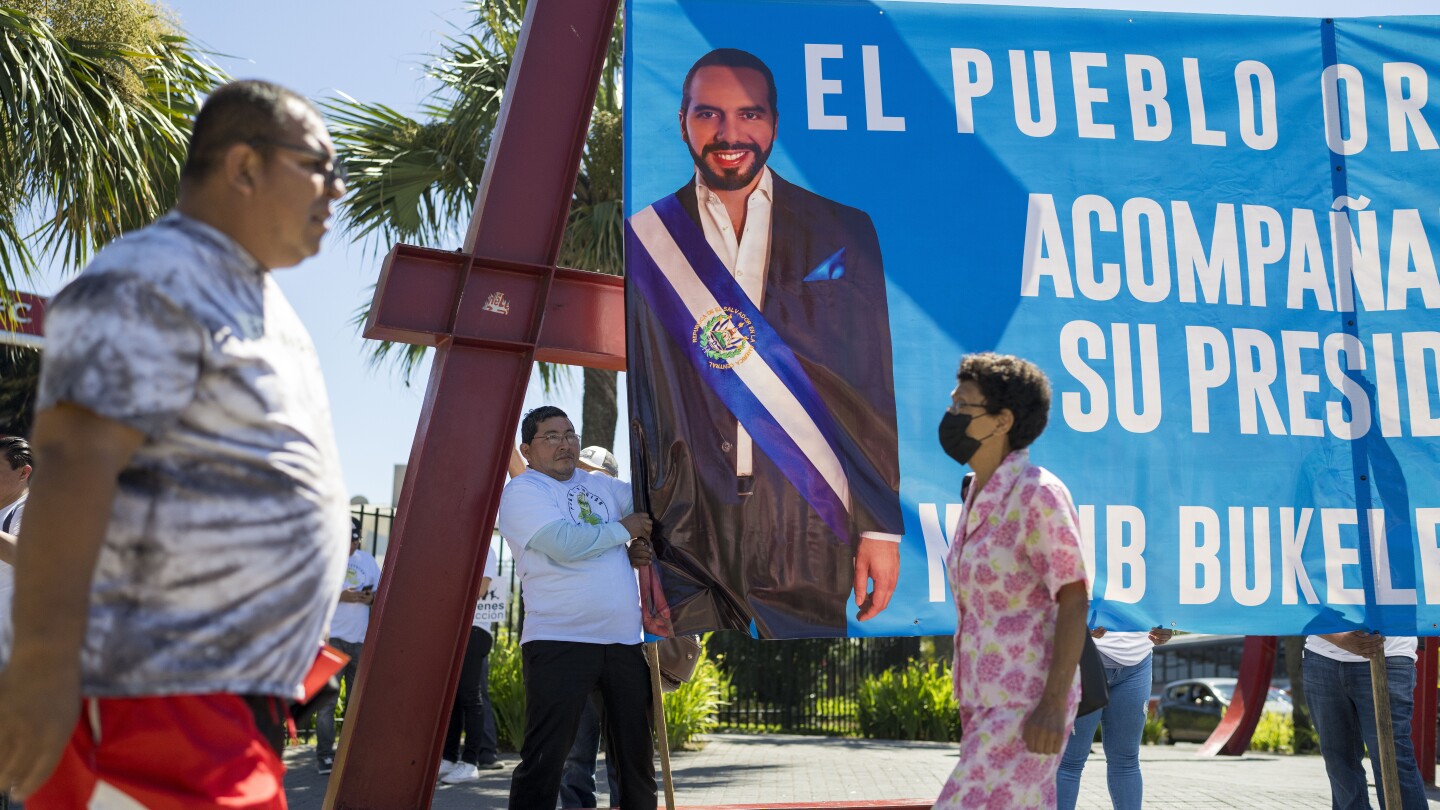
(490, 765)
(447, 766)
(462, 773)
(325, 765)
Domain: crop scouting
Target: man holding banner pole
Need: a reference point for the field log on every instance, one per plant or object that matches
(1339, 690)
(767, 423)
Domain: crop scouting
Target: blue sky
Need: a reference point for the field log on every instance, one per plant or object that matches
(376, 51)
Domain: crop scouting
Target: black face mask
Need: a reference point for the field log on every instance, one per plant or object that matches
(953, 439)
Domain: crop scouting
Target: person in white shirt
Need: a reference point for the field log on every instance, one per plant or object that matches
(471, 714)
(568, 530)
(1338, 692)
(16, 466)
(1127, 657)
(347, 634)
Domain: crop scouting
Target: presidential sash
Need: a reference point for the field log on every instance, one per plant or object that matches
(738, 354)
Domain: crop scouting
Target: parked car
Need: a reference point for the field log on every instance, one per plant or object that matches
(1192, 709)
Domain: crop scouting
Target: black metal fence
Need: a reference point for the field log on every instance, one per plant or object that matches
(806, 686)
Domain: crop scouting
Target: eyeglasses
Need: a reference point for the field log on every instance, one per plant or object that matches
(333, 168)
(552, 438)
(960, 406)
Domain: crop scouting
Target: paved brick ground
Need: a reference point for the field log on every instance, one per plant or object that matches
(736, 768)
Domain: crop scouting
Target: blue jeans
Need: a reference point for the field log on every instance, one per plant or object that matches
(325, 719)
(1123, 721)
(1343, 710)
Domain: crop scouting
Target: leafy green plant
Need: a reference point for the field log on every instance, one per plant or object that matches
(690, 709)
(911, 703)
(507, 691)
(1275, 732)
(1154, 731)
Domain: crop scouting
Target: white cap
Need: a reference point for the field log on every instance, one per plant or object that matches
(599, 459)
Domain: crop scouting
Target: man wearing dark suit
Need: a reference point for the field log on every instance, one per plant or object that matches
(739, 544)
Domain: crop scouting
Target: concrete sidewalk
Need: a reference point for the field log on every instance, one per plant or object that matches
(761, 769)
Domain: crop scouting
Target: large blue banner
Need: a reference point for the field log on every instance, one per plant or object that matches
(1211, 232)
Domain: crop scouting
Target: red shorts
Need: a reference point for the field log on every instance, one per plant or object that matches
(165, 753)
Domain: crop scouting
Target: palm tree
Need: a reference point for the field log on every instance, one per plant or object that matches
(96, 100)
(415, 180)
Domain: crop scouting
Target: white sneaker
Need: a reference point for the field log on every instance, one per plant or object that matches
(463, 772)
(447, 767)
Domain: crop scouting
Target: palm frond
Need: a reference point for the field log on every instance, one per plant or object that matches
(94, 134)
(415, 179)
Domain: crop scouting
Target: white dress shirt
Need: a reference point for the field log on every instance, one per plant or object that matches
(746, 255)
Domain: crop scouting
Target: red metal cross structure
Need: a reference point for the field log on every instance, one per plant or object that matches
(491, 311)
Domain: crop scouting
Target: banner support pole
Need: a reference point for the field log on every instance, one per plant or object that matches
(662, 737)
(1384, 732)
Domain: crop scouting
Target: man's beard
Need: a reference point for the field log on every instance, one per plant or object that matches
(730, 179)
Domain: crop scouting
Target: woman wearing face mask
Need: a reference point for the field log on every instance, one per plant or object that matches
(1015, 569)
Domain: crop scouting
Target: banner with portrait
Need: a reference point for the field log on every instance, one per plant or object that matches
(1211, 232)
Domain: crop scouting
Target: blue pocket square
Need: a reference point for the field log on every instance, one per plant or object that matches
(830, 269)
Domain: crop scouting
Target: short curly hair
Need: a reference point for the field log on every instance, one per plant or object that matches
(1008, 381)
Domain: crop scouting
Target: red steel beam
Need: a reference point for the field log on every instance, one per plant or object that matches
(395, 724)
(1423, 720)
(1257, 663)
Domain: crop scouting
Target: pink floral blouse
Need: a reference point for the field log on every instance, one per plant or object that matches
(1017, 545)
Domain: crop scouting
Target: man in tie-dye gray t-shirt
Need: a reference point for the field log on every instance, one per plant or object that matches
(229, 531)
(186, 544)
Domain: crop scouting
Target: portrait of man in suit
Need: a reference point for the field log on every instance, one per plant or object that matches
(760, 380)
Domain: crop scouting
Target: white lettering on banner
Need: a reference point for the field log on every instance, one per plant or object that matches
(1146, 84)
(1145, 79)
(1199, 555)
(1208, 266)
(1426, 520)
(1250, 535)
(1124, 561)
(1199, 134)
(875, 118)
(1087, 97)
(937, 543)
(1041, 122)
(1255, 88)
(18, 313)
(1257, 560)
(1385, 591)
(1292, 568)
(1406, 90)
(1142, 420)
(1345, 131)
(817, 87)
(1257, 364)
(1228, 555)
(1338, 557)
(966, 88)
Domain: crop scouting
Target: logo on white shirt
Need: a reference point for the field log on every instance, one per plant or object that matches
(588, 508)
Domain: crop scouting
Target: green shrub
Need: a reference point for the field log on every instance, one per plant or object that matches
(507, 691)
(912, 703)
(1154, 731)
(1275, 732)
(690, 709)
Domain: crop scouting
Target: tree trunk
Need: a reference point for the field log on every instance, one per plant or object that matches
(1305, 740)
(598, 409)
